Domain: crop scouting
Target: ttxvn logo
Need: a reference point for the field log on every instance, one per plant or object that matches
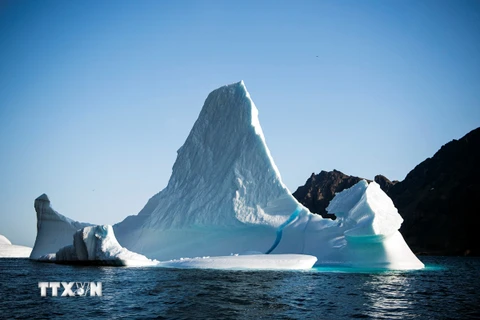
(71, 289)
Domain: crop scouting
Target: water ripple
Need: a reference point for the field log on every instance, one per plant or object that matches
(448, 290)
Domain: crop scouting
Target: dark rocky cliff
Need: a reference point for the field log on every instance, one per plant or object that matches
(320, 189)
(438, 200)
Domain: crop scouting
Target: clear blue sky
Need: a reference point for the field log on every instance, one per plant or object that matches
(97, 96)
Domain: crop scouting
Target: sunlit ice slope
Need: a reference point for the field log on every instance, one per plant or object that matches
(225, 194)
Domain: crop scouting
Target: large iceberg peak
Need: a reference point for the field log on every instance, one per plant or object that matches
(224, 173)
(227, 106)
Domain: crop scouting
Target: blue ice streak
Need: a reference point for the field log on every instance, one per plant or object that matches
(293, 216)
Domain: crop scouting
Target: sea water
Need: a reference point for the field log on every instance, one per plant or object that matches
(449, 288)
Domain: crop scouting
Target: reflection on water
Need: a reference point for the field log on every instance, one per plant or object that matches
(388, 296)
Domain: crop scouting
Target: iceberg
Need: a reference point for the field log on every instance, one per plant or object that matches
(9, 250)
(226, 195)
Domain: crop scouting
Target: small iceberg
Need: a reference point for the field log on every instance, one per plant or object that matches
(9, 250)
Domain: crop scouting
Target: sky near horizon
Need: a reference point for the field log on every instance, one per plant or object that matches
(96, 97)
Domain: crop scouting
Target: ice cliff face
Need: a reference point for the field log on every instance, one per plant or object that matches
(226, 196)
(53, 229)
(98, 245)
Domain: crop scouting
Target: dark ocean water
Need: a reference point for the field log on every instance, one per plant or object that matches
(449, 288)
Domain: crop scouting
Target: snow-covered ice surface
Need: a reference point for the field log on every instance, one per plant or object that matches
(97, 245)
(4, 240)
(238, 262)
(9, 250)
(226, 195)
